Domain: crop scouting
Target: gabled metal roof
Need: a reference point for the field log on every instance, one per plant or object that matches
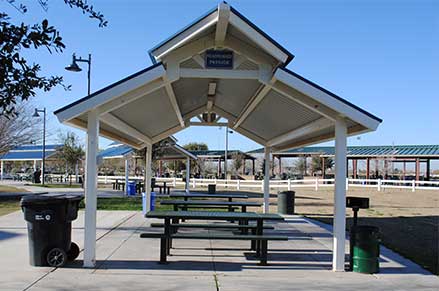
(118, 150)
(367, 151)
(29, 152)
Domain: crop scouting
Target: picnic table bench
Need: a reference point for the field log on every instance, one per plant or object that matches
(229, 197)
(260, 239)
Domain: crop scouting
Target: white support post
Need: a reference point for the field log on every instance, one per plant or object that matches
(267, 180)
(35, 165)
(338, 254)
(1, 170)
(77, 172)
(127, 172)
(316, 186)
(91, 187)
(289, 184)
(413, 186)
(379, 185)
(188, 173)
(148, 176)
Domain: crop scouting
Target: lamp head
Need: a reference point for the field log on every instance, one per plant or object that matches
(73, 66)
(36, 114)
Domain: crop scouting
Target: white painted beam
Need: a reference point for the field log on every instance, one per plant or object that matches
(122, 126)
(188, 174)
(91, 189)
(238, 60)
(148, 176)
(252, 53)
(221, 25)
(174, 103)
(307, 129)
(199, 59)
(127, 173)
(208, 123)
(166, 133)
(251, 105)
(338, 252)
(219, 74)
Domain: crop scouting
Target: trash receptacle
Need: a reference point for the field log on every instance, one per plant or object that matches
(285, 202)
(49, 223)
(211, 188)
(131, 190)
(365, 249)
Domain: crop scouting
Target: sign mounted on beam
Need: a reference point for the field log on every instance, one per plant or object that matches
(219, 59)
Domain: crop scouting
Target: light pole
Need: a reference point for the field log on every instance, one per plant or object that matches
(43, 161)
(73, 67)
(226, 151)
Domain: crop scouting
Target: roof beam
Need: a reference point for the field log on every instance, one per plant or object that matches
(219, 73)
(252, 53)
(307, 129)
(251, 105)
(122, 126)
(221, 25)
(199, 60)
(208, 123)
(102, 132)
(174, 103)
(166, 133)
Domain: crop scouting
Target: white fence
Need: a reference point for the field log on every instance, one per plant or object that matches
(289, 184)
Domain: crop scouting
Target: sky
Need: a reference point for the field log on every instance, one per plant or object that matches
(380, 55)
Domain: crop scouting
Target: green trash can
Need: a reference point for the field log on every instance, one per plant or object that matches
(285, 202)
(365, 249)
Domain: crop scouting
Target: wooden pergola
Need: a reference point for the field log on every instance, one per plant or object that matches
(221, 66)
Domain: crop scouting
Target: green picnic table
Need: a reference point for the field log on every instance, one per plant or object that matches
(196, 203)
(259, 237)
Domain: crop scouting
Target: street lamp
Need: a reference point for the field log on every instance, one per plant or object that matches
(43, 162)
(73, 67)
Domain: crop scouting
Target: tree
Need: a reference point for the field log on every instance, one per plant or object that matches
(71, 152)
(18, 130)
(300, 166)
(316, 164)
(238, 161)
(19, 78)
(195, 146)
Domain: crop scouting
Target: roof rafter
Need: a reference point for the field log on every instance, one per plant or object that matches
(221, 25)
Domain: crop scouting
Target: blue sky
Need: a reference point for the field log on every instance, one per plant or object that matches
(380, 55)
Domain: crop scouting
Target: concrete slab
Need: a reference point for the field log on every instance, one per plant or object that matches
(128, 262)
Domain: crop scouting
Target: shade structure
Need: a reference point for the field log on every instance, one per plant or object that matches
(221, 67)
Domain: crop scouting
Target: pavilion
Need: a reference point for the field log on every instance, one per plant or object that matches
(27, 153)
(220, 66)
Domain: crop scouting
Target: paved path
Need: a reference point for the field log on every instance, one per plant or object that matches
(127, 262)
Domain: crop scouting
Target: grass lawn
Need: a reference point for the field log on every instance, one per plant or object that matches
(9, 205)
(55, 185)
(123, 203)
(10, 189)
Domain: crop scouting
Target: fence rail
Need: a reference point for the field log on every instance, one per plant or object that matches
(317, 183)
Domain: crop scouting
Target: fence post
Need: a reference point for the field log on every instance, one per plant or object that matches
(317, 184)
(379, 185)
(105, 179)
(174, 182)
(413, 185)
(262, 185)
(214, 180)
(193, 183)
(289, 184)
(238, 185)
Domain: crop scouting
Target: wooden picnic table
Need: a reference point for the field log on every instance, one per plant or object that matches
(229, 204)
(186, 196)
(167, 216)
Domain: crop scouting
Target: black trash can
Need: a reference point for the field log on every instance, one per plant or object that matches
(211, 188)
(364, 249)
(285, 202)
(49, 223)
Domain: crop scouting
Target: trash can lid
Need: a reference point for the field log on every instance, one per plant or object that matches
(47, 198)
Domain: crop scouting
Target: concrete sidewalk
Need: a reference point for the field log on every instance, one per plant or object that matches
(127, 262)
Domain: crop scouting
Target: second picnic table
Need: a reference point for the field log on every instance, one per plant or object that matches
(197, 203)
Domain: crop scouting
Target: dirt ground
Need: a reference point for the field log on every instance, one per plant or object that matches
(408, 221)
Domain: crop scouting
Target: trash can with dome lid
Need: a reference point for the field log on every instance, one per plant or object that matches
(49, 223)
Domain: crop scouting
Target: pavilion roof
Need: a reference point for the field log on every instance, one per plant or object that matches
(30, 152)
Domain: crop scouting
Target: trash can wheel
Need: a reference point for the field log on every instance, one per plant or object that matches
(56, 257)
(73, 253)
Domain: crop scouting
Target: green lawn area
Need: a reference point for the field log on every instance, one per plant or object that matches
(9, 189)
(55, 185)
(9, 205)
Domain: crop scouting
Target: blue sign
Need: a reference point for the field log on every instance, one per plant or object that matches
(219, 59)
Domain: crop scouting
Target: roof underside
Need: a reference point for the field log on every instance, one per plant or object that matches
(169, 152)
(259, 98)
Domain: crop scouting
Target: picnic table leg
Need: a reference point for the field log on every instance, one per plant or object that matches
(263, 258)
(164, 243)
(259, 231)
(253, 242)
(243, 221)
(175, 220)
